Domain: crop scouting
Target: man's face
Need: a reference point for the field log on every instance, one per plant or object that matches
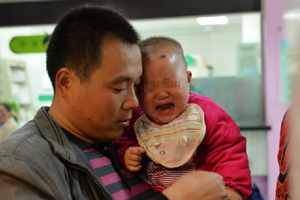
(102, 106)
(4, 114)
(165, 90)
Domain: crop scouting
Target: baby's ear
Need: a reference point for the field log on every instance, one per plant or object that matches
(189, 76)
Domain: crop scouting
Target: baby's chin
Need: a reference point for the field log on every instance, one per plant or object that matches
(165, 120)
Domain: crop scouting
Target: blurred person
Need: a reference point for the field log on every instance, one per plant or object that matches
(284, 159)
(180, 131)
(94, 64)
(8, 123)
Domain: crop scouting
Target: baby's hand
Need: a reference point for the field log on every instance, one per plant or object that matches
(133, 158)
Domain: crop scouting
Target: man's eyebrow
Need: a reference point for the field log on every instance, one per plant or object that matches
(121, 79)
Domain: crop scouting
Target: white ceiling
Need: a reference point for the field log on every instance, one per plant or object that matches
(183, 23)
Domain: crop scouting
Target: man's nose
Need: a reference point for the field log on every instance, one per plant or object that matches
(131, 101)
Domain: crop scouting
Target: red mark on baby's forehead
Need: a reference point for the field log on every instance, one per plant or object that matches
(163, 56)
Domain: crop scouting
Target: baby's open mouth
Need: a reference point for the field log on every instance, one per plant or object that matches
(164, 107)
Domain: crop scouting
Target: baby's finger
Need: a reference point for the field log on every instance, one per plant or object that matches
(142, 150)
(134, 150)
(134, 163)
(135, 158)
(134, 168)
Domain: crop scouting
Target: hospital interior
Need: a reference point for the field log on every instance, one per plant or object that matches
(237, 51)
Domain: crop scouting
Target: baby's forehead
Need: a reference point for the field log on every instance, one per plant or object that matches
(171, 61)
(159, 79)
(164, 55)
(171, 80)
(160, 49)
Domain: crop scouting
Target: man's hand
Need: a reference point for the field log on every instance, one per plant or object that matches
(234, 194)
(198, 185)
(133, 158)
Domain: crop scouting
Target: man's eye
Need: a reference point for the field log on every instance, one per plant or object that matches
(119, 90)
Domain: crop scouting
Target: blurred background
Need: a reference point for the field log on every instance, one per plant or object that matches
(238, 51)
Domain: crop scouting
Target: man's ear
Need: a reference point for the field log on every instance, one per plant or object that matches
(189, 76)
(63, 82)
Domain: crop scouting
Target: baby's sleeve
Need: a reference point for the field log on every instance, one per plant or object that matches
(226, 152)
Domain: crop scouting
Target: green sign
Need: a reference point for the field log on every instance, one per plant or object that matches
(189, 60)
(29, 44)
(45, 97)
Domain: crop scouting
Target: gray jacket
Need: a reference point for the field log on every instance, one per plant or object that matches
(39, 162)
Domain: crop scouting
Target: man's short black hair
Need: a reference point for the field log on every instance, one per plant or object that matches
(79, 35)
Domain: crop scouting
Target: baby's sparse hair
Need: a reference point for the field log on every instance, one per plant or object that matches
(159, 42)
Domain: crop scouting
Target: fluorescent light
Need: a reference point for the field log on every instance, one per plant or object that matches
(212, 20)
(292, 15)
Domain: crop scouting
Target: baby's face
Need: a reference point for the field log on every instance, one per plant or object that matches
(165, 86)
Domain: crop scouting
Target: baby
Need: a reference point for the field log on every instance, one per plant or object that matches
(180, 131)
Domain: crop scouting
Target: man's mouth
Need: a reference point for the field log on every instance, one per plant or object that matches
(124, 122)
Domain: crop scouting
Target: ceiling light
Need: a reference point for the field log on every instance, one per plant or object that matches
(292, 15)
(212, 20)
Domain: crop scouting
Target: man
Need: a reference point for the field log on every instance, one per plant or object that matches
(94, 64)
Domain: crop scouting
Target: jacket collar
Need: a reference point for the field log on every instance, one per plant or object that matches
(61, 146)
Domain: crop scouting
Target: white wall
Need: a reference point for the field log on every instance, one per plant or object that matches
(216, 44)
